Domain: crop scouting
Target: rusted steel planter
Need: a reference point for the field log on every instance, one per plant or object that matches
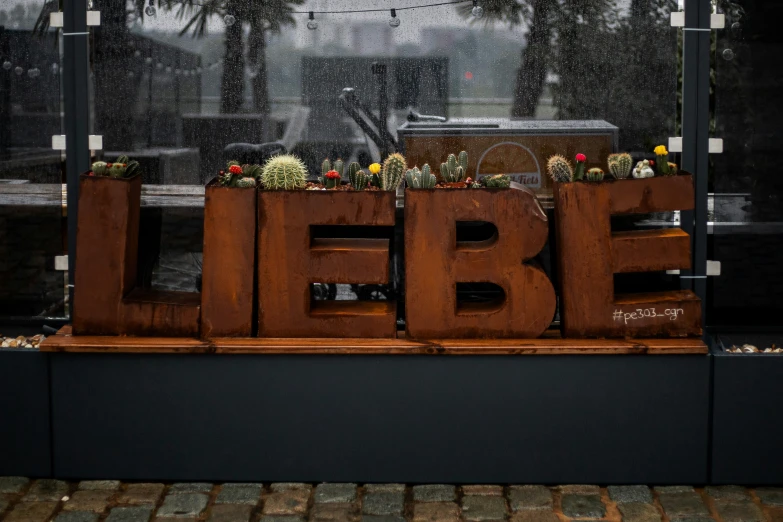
(107, 240)
(435, 262)
(589, 254)
(290, 260)
(228, 267)
(105, 300)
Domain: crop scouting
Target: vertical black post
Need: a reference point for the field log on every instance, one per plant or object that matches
(695, 134)
(5, 94)
(379, 70)
(75, 83)
(151, 71)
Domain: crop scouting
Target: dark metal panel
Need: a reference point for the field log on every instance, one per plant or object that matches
(535, 419)
(747, 419)
(76, 114)
(25, 441)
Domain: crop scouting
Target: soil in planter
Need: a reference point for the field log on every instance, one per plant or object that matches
(339, 188)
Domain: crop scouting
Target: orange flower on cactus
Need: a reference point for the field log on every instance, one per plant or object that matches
(235, 169)
(332, 174)
(581, 157)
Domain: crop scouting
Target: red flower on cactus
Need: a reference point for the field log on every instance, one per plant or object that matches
(235, 169)
(332, 174)
(652, 163)
(581, 157)
(109, 165)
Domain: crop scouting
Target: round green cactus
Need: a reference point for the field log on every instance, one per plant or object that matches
(99, 168)
(245, 182)
(284, 172)
(595, 174)
(559, 169)
(620, 165)
(497, 181)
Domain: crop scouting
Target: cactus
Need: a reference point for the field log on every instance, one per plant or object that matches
(332, 179)
(99, 168)
(643, 170)
(359, 180)
(123, 159)
(413, 178)
(338, 166)
(428, 179)
(326, 166)
(595, 174)
(620, 165)
(560, 169)
(579, 172)
(117, 170)
(132, 168)
(392, 172)
(662, 160)
(246, 182)
(453, 170)
(497, 181)
(672, 169)
(284, 172)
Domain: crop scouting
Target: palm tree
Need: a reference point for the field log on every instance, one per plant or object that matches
(263, 17)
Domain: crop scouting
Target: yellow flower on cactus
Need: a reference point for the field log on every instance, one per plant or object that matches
(660, 150)
(375, 168)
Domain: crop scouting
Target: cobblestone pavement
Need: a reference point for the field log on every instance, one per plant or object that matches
(24, 500)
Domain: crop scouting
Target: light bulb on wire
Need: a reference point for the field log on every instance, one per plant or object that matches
(477, 10)
(394, 21)
(229, 20)
(311, 23)
(150, 10)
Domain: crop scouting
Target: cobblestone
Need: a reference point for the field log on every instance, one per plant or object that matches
(230, 513)
(130, 514)
(739, 512)
(182, 505)
(77, 516)
(13, 484)
(335, 493)
(109, 485)
(141, 493)
(727, 493)
(383, 518)
(482, 490)
(286, 502)
(529, 497)
(534, 515)
(4, 503)
(383, 503)
(384, 488)
(31, 512)
(673, 489)
(436, 512)
(639, 512)
(683, 504)
(580, 489)
(627, 494)
(331, 512)
(239, 493)
(46, 490)
(286, 486)
(579, 505)
(95, 501)
(770, 496)
(434, 493)
(191, 487)
(284, 518)
(483, 507)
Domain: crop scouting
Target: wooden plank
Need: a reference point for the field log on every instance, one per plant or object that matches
(651, 250)
(550, 344)
(435, 262)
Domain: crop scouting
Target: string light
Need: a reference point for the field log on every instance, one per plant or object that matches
(311, 23)
(150, 10)
(394, 21)
(229, 20)
(477, 10)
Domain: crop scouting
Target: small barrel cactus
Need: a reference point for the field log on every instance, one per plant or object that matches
(453, 170)
(392, 172)
(99, 168)
(579, 172)
(620, 165)
(116, 170)
(497, 181)
(332, 179)
(662, 160)
(246, 182)
(284, 172)
(560, 169)
(413, 178)
(673, 169)
(595, 174)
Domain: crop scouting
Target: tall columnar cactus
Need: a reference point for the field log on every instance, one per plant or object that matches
(595, 174)
(326, 166)
(560, 169)
(413, 178)
(452, 170)
(392, 172)
(428, 179)
(497, 181)
(662, 160)
(579, 172)
(284, 172)
(356, 176)
(338, 166)
(620, 165)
